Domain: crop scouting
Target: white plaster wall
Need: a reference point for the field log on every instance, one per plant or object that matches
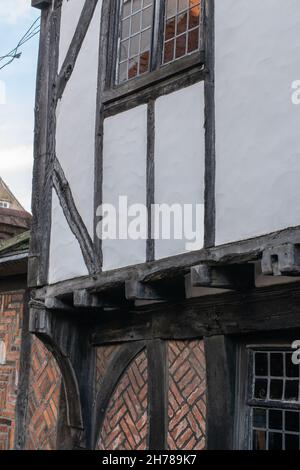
(179, 156)
(76, 114)
(70, 14)
(65, 259)
(257, 126)
(124, 174)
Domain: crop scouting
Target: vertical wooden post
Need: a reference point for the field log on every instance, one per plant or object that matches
(221, 369)
(157, 394)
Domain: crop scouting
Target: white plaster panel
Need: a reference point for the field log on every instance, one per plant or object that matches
(124, 174)
(257, 126)
(65, 259)
(70, 14)
(76, 114)
(179, 156)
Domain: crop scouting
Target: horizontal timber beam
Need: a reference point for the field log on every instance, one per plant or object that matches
(259, 310)
(235, 277)
(234, 253)
(83, 299)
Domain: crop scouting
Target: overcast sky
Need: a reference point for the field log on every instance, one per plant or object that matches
(16, 115)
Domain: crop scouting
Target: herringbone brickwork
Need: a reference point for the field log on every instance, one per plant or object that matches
(43, 399)
(104, 355)
(187, 395)
(11, 315)
(126, 423)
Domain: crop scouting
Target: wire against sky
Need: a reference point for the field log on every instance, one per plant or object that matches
(15, 53)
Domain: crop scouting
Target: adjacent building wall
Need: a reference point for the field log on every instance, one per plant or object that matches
(11, 318)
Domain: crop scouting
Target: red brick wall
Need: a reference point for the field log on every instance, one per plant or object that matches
(187, 395)
(125, 425)
(126, 422)
(11, 315)
(43, 399)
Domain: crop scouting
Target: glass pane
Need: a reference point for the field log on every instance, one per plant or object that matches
(123, 72)
(144, 62)
(146, 40)
(146, 3)
(170, 29)
(182, 23)
(134, 46)
(136, 5)
(261, 389)
(171, 8)
(126, 8)
(193, 44)
(292, 370)
(125, 28)
(135, 23)
(259, 440)
(291, 390)
(133, 68)
(292, 421)
(147, 17)
(259, 418)
(276, 389)
(194, 17)
(169, 51)
(291, 442)
(124, 50)
(275, 419)
(276, 360)
(261, 364)
(183, 4)
(180, 46)
(275, 441)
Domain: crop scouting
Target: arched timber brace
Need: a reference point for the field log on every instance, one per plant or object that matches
(157, 389)
(69, 343)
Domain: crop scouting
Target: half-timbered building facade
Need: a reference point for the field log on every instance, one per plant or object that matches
(169, 342)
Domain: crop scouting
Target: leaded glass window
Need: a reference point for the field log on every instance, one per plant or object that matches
(274, 400)
(154, 33)
(181, 29)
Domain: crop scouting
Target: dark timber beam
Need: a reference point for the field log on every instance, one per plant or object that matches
(73, 218)
(136, 290)
(233, 277)
(259, 310)
(282, 260)
(84, 299)
(53, 303)
(41, 4)
(75, 46)
(220, 366)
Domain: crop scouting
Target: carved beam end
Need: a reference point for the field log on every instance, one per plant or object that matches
(283, 260)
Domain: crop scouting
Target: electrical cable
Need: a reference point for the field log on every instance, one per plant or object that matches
(14, 53)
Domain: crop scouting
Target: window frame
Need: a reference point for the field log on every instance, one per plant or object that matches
(158, 72)
(244, 371)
